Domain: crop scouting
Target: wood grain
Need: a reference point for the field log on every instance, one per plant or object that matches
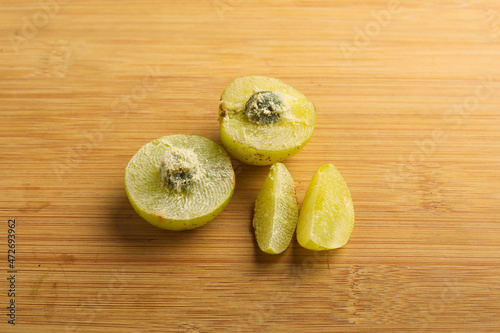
(408, 100)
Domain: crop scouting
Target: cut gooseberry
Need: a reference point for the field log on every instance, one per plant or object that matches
(179, 182)
(326, 218)
(263, 120)
(276, 211)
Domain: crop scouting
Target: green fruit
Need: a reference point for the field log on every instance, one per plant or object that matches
(276, 211)
(263, 120)
(179, 182)
(326, 218)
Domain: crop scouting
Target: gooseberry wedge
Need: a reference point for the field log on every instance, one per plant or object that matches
(263, 120)
(179, 182)
(276, 211)
(326, 218)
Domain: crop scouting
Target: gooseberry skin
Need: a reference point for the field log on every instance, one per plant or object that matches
(254, 156)
(178, 225)
(267, 143)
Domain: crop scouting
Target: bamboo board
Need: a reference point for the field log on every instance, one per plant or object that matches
(408, 101)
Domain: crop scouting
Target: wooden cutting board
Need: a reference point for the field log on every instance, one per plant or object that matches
(408, 102)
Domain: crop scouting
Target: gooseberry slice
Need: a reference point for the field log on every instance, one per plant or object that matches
(179, 182)
(263, 120)
(276, 211)
(326, 218)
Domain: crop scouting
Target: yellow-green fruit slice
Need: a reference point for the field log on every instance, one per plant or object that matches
(326, 218)
(179, 182)
(276, 211)
(263, 120)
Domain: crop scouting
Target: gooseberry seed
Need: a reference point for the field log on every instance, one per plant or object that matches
(265, 107)
(179, 168)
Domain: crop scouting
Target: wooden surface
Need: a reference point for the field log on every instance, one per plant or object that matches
(409, 112)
